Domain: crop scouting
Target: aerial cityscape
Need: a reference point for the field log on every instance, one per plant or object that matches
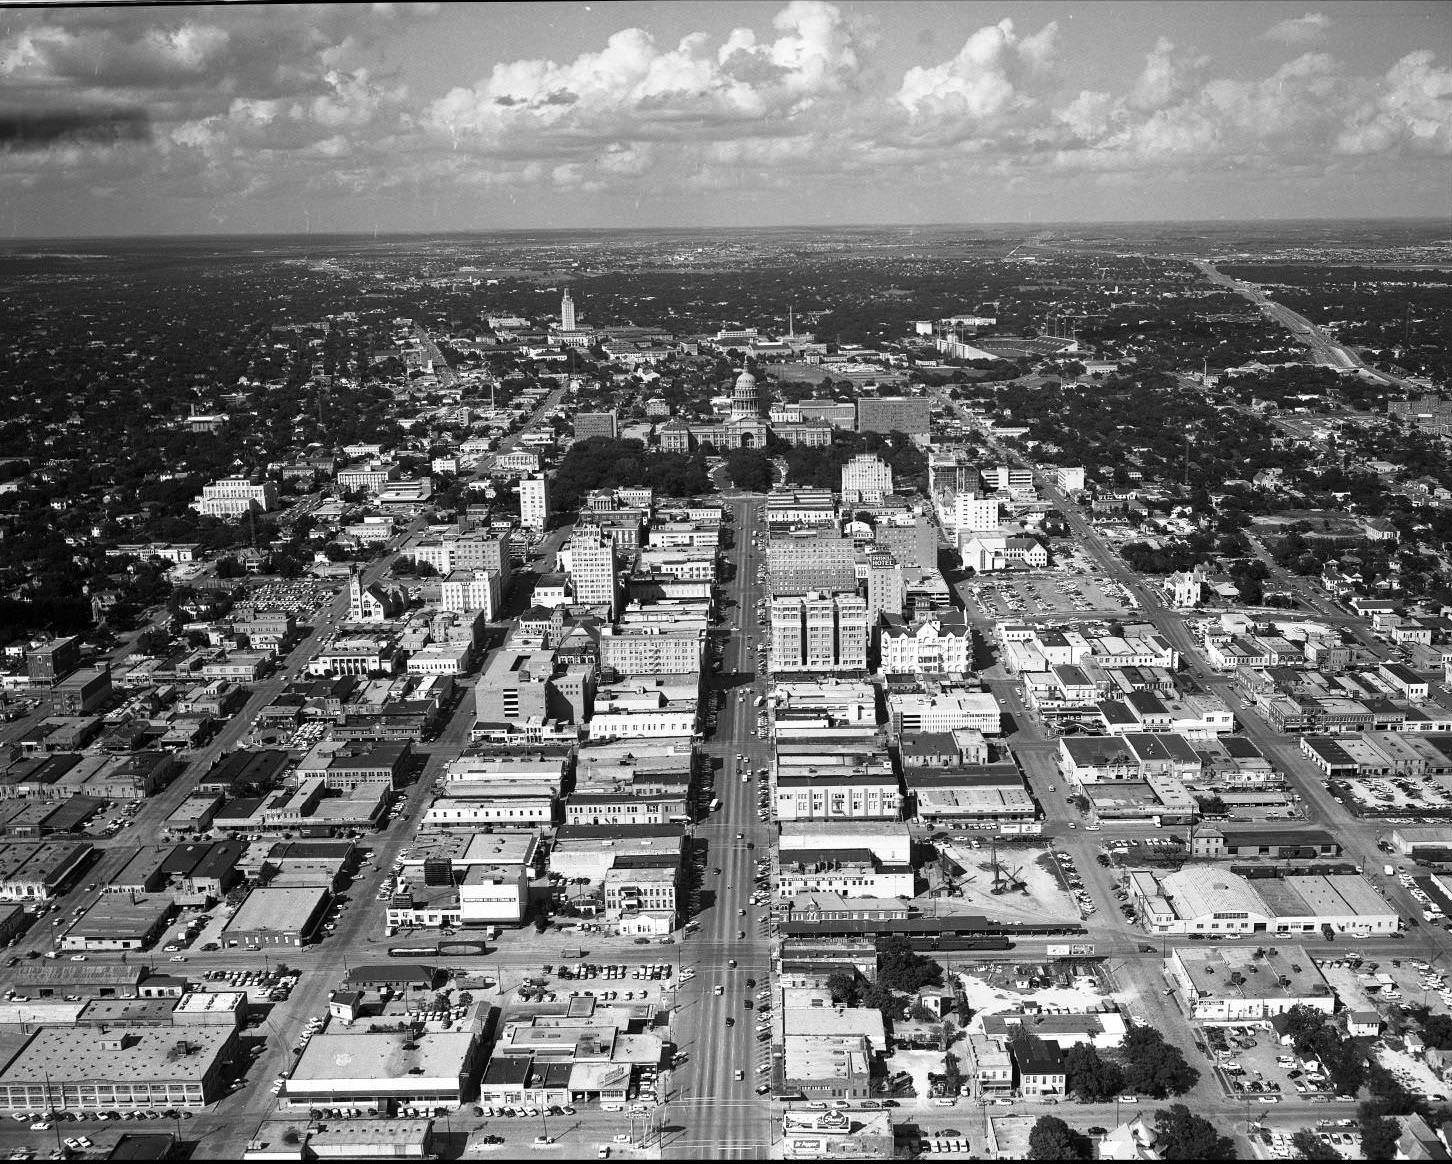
(796, 596)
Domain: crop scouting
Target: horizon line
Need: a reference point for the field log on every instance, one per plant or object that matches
(1040, 224)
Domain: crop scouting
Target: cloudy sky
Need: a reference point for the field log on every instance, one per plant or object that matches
(234, 118)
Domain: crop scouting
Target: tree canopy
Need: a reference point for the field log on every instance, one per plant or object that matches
(1182, 1135)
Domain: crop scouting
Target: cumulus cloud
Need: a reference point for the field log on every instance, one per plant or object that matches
(1299, 29)
(636, 90)
(246, 102)
(981, 83)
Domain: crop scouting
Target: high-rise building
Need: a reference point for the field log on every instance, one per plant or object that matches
(592, 568)
(886, 586)
(908, 414)
(567, 312)
(534, 502)
(811, 560)
(818, 632)
(865, 478)
(593, 424)
(471, 590)
(973, 513)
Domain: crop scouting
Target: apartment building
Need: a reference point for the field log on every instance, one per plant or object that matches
(589, 559)
(819, 632)
(810, 560)
(651, 650)
(534, 502)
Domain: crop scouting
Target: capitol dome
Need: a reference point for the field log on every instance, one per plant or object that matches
(745, 380)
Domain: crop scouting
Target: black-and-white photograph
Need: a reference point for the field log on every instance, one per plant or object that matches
(462, 464)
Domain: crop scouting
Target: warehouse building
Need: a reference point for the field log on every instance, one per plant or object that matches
(130, 1068)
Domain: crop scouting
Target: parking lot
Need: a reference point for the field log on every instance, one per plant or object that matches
(1376, 796)
(1057, 593)
(1251, 1065)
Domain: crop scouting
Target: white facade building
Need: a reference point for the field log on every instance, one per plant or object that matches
(534, 502)
(818, 632)
(865, 478)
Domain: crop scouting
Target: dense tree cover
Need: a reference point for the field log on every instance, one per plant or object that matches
(599, 462)
(1052, 1139)
(900, 967)
(1090, 1077)
(1401, 315)
(1141, 420)
(1189, 330)
(821, 468)
(1437, 1031)
(1379, 1137)
(1309, 1146)
(1182, 1135)
(1154, 1067)
(750, 469)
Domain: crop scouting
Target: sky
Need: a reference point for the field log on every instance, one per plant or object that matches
(239, 118)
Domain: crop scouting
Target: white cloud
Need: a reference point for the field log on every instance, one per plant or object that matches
(980, 83)
(1300, 29)
(1411, 109)
(635, 90)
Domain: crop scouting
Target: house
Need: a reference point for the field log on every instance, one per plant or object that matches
(1040, 1066)
(1363, 1024)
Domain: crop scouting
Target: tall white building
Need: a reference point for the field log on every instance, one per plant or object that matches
(567, 312)
(865, 478)
(590, 562)
(818, 632)
(471, 590)
(972, 513)
(534, 502)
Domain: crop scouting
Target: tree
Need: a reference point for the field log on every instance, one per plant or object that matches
(877, 996)
(1437, 1031)
(1089, 1076)
(1182, 1135)
(1302, 1024)
(920, 1013)
(1309, 1146)
(900, 967)
(750, 469)
(1154, 1067)
(842, 986)
(1053, 1139)
(1379, 1137)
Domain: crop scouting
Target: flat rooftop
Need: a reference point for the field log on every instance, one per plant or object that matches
(81, 1054)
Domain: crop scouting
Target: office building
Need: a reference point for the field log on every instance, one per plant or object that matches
(905, 414)
(534, 502)
(596, 424)
(592, 568)
(470, 590)
(865, 478)
(810, 560)
(819, 632)
(234, 497)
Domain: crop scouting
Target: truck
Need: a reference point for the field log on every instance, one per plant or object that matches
(716, 804)
(1388, 870)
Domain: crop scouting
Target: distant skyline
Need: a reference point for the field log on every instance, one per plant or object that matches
(409, 118)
